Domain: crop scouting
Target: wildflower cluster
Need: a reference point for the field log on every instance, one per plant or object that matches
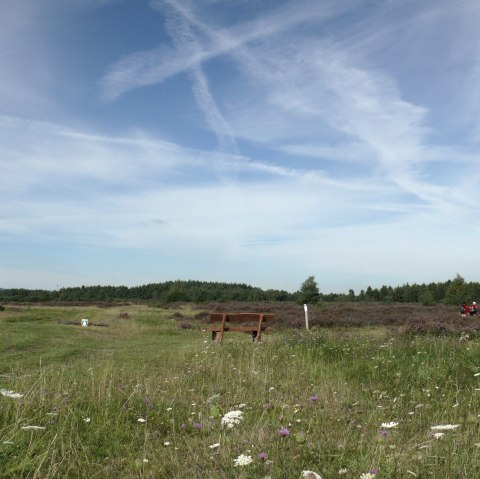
(242, 460)
(444, 427)
(232, 418)
(310, 475)
(10, 394)
(367, 475)
(389, 425)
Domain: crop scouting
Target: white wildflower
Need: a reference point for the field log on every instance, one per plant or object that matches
(166, 443)
(311, 475)
(389, 425)
(243, 460)
(10, 394)
(343, 470)
(145, 460)
(367, 475)
(214, 446)
(87, 419)
(445, 427)
(438, 435)
(140, 419)
(232, 418)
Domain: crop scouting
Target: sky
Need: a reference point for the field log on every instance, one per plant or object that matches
(247, 141)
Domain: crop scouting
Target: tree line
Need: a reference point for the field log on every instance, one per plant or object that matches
(450, 292)
(168, 292)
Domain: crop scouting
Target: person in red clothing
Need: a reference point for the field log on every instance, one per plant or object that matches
(464, 310)
(473, 309)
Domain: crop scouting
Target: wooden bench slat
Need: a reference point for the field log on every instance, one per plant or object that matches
(256, 323)
(239, 328)
(242, 328)
(239, 317)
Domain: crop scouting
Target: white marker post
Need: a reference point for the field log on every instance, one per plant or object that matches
(305, 307)
(85, 322)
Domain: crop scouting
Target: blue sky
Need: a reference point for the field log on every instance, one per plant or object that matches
(256, 141)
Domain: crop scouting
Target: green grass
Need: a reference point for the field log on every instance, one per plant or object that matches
(181, 383)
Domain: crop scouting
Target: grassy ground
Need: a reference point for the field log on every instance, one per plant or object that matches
(328, 392)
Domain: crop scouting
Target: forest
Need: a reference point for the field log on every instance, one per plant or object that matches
(450, 292)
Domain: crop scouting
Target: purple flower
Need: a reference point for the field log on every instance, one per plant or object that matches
(262, 456)
(184, 426)
(384, 432)
(313, 398)
(197, 425)
(283, 431)
(373, 471)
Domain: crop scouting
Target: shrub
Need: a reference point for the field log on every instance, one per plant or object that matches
(185, 325)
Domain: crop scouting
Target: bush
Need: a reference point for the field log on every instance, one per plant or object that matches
(185, 325)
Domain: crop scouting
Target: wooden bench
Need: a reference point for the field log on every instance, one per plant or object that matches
(253, 323)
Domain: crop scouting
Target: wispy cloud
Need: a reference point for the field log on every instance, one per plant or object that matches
(156, 65)
(179, 28)
(65, 183)
(344, 133)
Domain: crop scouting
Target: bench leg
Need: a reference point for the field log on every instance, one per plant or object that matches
(217, 336)
(258, 332)
(256, 336)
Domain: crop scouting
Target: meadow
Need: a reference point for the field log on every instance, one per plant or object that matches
(150, 396)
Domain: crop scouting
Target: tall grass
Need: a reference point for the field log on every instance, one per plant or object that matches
(327, 391)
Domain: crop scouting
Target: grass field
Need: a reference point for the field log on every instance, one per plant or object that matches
(145, 398)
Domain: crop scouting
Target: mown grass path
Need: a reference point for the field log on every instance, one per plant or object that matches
(143, 398)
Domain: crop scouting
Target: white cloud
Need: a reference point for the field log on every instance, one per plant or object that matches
(156, 65)
(367, 180)
(303, 91)
(108, 191)
(185, 40)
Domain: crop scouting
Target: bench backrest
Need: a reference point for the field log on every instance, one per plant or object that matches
(239, 317)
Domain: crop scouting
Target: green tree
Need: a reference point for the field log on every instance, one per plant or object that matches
(178, 292)
(426, 298)
(309, 292)
(456, 291)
